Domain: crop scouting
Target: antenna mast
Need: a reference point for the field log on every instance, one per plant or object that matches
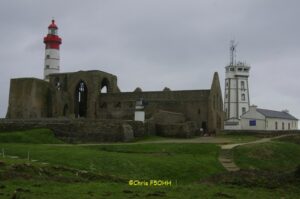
(233, 46)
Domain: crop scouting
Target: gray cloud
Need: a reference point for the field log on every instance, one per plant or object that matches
(155, 43)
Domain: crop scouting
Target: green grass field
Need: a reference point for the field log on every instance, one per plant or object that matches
(35, 136)
(58, 170)
(275, 156)
(240, 138)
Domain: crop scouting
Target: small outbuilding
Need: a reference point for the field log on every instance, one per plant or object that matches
(263, 119)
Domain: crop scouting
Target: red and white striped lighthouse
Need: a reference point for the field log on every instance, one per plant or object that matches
(52, 42)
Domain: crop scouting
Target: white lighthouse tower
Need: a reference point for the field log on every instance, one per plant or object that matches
(236, 101)
(52, 42)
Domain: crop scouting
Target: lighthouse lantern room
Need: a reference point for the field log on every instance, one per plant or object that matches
(52, 42)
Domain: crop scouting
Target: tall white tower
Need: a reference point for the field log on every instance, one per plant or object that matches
(236, 101)
(52, 42)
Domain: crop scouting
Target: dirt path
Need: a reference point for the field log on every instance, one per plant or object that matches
(226, 153)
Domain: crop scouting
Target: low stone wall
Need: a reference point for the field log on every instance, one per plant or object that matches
(80, 130)
(88, 130)
(180, 130)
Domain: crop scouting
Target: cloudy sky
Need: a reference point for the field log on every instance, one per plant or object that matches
(158, 43)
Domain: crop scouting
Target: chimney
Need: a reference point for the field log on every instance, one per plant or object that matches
(252, 108)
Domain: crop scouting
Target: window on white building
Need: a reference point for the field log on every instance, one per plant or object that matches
(252, 122)
(282, 125)
(244, 110)
(289, 126)
(276, 125)
(243, 97)
(242, 85)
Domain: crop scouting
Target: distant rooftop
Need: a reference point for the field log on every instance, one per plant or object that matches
(276, 114)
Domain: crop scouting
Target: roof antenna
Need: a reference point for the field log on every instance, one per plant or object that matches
(233, 46)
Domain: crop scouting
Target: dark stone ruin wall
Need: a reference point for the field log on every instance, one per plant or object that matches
(29, 98)
(167, 117)
(216, 114)
(204, 107)
(65, 85)
(170, 124)
(34, 98)
(178, 130)
(80, 130)
(192, 104)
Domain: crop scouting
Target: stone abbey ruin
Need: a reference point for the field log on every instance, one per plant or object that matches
(110, 116)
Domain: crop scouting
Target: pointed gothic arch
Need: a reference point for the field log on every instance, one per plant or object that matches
(81, 95)
(105, 86)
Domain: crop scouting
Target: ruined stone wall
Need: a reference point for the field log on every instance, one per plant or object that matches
(167, 117)
(65, 85)
(29, 98)
(192, 104)
(216, 114)
(34, 98)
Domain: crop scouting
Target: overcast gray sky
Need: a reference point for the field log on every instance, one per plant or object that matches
(158, 43)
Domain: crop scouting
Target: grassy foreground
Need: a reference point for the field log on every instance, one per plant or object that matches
(37, 165)
(280, 155)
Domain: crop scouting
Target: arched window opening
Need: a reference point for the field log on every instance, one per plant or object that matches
(104, 87)
(276, 125)
(81, 100)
